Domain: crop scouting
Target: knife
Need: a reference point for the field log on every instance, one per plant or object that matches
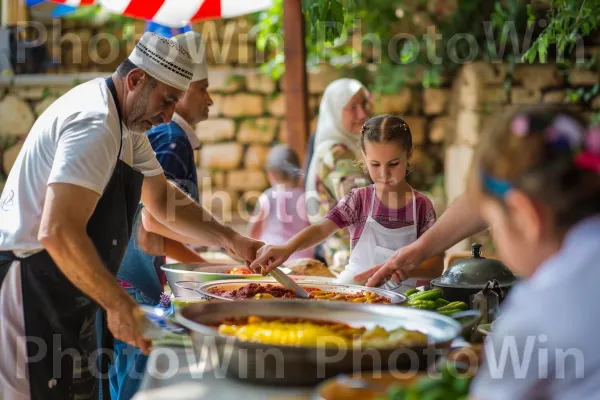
(288, 283)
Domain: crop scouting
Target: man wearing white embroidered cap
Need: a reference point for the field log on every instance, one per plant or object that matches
(174, 144)
(66, 216)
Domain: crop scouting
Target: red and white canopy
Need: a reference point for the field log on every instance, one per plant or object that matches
(176, 13)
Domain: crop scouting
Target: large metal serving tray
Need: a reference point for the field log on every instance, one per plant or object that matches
(301, 366)
(184, 277)
(204, 289)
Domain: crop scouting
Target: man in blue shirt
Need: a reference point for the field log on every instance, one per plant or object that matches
(174, 144)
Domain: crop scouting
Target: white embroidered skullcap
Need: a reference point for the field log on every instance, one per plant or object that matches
(163, 59)
(193, 43)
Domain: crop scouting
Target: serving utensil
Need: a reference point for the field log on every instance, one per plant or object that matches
(288, 283)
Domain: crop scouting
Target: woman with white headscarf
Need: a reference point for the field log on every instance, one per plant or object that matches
(332, 171)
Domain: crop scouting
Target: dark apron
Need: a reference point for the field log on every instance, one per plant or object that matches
(60, 314)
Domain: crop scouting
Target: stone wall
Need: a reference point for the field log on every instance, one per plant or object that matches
(479, 91)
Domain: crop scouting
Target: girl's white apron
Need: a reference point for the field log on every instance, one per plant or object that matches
(376, 244)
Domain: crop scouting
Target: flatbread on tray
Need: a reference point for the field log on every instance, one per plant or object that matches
(308, 267)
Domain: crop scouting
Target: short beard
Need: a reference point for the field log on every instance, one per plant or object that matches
(139, 108)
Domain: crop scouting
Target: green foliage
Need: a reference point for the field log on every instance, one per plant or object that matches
(569, 21)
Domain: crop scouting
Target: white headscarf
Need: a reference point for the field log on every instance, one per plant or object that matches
(329, 128)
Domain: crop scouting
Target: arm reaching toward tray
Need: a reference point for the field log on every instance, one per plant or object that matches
(460, 221)
(272, 257)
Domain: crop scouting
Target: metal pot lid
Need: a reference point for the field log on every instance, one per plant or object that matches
(476, 272)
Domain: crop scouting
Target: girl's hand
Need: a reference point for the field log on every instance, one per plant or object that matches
(270, 257)
(397, 268)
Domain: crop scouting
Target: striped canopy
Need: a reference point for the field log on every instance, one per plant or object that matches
(176, 13)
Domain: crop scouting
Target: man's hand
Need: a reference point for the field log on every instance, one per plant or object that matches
(127, 324)
(270, 257)
(244, 248)
(397, 268)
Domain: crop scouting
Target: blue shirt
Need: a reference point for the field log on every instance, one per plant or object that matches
(175, 154)
(545, 345)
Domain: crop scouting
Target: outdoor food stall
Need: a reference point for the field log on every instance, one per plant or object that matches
(247, 335)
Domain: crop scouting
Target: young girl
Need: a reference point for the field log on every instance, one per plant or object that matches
(281, 210)
(381, 217)
(537, 182)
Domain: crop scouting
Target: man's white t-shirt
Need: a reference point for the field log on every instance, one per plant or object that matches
(76, 140)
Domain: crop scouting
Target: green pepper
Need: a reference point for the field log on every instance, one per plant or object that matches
(426, 304)
(411, 291)
(454, 305)
(442, 302)
(428, 295)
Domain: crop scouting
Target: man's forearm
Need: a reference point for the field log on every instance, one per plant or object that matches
(75, 255)
(186, 218)
(461, 220)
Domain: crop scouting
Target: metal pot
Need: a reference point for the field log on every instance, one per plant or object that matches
(468, 276)
(307, 366)
(193, 273)
(204, 289)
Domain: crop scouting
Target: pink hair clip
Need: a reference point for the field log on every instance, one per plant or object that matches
(520, 125)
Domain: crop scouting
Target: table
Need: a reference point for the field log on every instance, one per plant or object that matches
(175, 373)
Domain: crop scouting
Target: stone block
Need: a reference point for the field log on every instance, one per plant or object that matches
(221, 156)
(215, 130)
(537, 77)
(486, 73)
(218, 179)
(43, 105)
(393, 104)
(277, 106)
(10, 156)
(219, 201)
(30, 93)
(435, 101)
(16, 116)
(478, 96)
(259, 131)
(525, 96)
(256, 157)
(417, 127)
(319, 78)
(261, 83)
(225, 79)
(246, 180)
(458, 162)
(438, 129)
(282, 132)
(243, 104)
(215, 110)
(554, 97)
(583, 77)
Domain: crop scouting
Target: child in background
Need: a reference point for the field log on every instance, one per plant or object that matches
(381, 217)
(281, 209)
(537, 181)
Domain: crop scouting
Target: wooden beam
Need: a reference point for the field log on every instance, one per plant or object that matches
(296, 92)
(13, 11)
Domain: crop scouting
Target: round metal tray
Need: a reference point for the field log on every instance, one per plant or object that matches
(181, 276)
(204, 289)
(295, 366)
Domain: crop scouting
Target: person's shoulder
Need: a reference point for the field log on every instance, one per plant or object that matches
(87, 103)
(339, 151)
(423, 200)
(167, 133)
